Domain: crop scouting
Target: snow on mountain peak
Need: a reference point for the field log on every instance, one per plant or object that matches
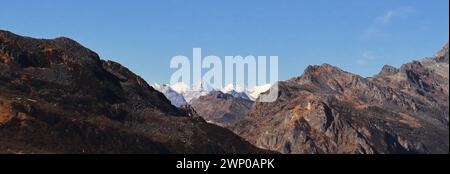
(203, 86)
(180, 87)
(176, 98)
(181, 93)
(258, 90)
(232, 87)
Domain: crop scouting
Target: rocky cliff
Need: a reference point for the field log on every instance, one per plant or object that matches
(328, 110)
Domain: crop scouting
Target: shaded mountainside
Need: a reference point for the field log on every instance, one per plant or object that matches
(58, 97)
(328, 110)
(221, 109)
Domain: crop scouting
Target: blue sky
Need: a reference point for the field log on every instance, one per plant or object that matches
(359, 36)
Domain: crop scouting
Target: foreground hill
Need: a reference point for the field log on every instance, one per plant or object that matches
(57, 96)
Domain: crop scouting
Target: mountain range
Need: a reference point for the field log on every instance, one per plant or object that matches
(329, 110)
(181, 94)
(57, 96)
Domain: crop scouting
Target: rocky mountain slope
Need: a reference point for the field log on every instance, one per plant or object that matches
(328, 110)
(224, 107)
(221, 108)
(57, 96)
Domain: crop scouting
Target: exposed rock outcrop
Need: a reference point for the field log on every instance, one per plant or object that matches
(328, 110)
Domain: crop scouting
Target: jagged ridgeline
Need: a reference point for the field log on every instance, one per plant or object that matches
(328, 110)
(58, 97)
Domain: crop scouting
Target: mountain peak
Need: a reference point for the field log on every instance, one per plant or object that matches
(180, 87)
(442, 55)
(328, 110)
(202, 86)
(175, 98)
(31, 52)
(388, 70)
(324, 72)
(324, 68)
(232, 87)
(221, 108)
(57, 89)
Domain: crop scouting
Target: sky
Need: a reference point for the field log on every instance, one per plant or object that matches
(359, 36)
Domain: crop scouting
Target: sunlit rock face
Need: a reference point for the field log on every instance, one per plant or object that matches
(328, 110)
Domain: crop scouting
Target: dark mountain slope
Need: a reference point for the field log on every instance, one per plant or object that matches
(58, 97)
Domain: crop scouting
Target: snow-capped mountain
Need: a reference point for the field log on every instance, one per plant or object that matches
(258, 90)
(179, 87)
(241, 92)
(198, 89)
(203, 86)
(176, 98)
(180, 94)
(236, 91)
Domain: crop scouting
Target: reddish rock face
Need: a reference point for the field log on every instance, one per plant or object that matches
(57, 96)
(6, 112)
(328, 110)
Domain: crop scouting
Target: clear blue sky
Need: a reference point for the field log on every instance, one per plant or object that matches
(357, 35)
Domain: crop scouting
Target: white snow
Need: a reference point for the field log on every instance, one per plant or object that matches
(180, 87)
(180, 93)
(175, 98)
(258, 90)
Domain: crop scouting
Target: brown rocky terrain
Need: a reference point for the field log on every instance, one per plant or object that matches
(221, 109)
(57, 96)
(328, 110)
